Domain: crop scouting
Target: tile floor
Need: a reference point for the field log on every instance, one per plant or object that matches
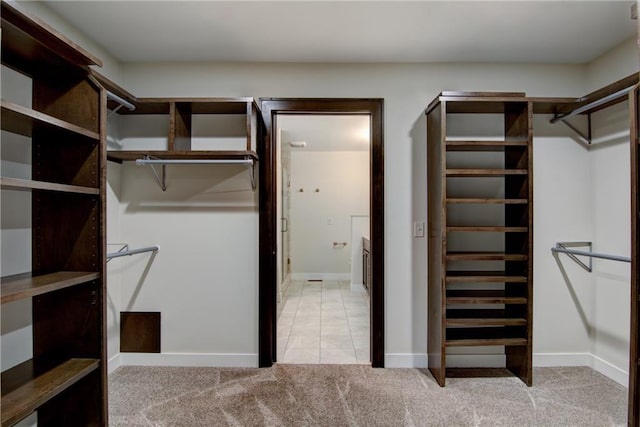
(323, 322)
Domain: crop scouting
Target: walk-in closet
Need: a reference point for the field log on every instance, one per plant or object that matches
(472, 235)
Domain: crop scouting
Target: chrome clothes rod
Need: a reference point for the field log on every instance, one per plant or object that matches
(593, 104)
(562, 247)
(248, 162)
(133, 252)
(112, 96)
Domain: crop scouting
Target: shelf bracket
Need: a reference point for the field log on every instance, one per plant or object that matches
(252, 173)
(563, 247)
(124, 247)
(584, 138)
(162, 181)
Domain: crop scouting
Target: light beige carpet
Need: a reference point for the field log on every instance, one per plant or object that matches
(357, 395)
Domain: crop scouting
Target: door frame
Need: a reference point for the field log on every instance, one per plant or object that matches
(267, 300)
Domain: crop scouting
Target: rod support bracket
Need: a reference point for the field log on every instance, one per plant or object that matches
(588, 245)
(162, 181)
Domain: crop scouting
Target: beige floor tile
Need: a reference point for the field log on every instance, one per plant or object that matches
(335, 331)
(339, 342)
(338, 356)
(304, 342)
(301, 356)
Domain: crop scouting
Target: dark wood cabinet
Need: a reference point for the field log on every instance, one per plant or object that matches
(480, 228)
(65, 380)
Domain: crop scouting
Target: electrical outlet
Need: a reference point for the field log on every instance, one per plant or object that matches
(418, 229)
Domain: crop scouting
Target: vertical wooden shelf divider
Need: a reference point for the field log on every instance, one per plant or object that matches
(65, 381)
(472, 304)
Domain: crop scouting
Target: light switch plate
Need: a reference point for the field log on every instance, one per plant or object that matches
(418, 229)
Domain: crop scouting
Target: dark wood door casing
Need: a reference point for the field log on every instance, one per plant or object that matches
(271, 107)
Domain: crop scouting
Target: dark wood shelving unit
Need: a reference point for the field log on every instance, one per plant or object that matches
(482, 306)
(180, 112)
(65, 379)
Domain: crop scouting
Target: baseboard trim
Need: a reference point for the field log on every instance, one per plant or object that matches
(114, 363)
(218, 360)
(540, 360)
(548, 360)
(608, 370)
(405, 360)
(320, 276)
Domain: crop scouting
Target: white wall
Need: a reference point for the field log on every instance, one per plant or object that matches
(111, 66)
(327, 189)
(562, 292)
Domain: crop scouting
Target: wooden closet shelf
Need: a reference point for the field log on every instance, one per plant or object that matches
(476, 173)
(482, 297)
(26, 285)
(28, 185)
(486, 201)
(489, 229)
(194, 105)
(23, 120)
(482, 276)
(128, 156)
(34, 392)
(476, 102)
(456, 322)
(30, 40)
(462, 337)
(456, 145)
(484, 256)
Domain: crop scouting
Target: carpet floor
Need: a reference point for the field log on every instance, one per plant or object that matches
(358, 395)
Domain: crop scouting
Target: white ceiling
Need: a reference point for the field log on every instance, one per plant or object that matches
(325, 132)
(571, 31)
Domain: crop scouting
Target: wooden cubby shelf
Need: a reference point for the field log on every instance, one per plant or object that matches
(489, 336)
(484, 256)
(475, 173)
(28, 185)
(23, 120)
(26, 285)
(456, 145)
(482, 297)
(467, 267)
(485, 201)
(487, 229)
(482, 277)
(36, 391)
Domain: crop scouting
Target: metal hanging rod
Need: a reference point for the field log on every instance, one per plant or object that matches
(562, 247)
(162, 180)
(132, 252)
(123, 102)
(247, 162)
(593, 104)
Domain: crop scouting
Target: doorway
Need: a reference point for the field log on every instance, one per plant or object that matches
(272, 108)
(323, 206)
